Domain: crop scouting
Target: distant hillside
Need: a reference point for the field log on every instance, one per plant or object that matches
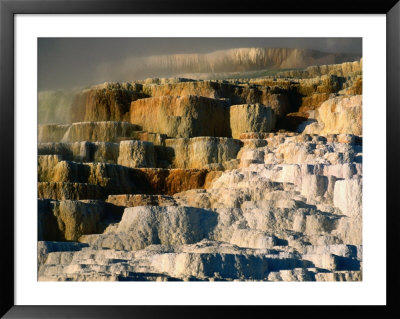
(233, 60)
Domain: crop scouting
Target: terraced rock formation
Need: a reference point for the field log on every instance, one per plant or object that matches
(177, 179)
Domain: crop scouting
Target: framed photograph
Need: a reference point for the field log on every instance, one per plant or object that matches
(168, 159)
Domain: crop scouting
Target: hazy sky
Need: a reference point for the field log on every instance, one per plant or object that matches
(74, 62)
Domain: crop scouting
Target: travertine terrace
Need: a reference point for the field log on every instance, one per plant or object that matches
(213, 180)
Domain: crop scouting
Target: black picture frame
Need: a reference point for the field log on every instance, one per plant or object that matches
(9, 8)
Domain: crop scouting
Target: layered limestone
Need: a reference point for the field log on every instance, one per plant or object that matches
(181, 116)
(261, 216)
(303, 149)
(313, 101)
(306, 89)
(316, 88)
(67, 190)
(60, 179)
(94, 180)
(275, 209)
(275, 97)
(251, 118)
(342, 69)
(340, 115)
(110, 102)
(67, 220)
(321, 84)
(171, 181)
(141, 200)
(353, 86)
(200, 152)
(108, 131)
(155, 138)
(136, 154)
(205, 260)
(46, 165)
(143, 226)
(222, 180)
(46, 247)
(349, 205)
(105, 152)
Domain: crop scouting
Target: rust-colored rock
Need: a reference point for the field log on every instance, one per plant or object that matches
(169, 182)
(180, 180)
(210, 177)
(313, 101)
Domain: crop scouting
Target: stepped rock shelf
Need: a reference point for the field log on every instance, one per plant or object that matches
(227, 180)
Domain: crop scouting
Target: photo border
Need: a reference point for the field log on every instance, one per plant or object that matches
(7, 143)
